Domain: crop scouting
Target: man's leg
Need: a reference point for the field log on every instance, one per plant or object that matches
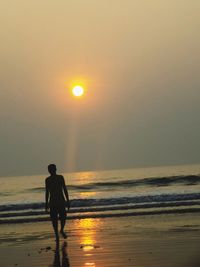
(62, 222)
(55, 228)
(54, 220)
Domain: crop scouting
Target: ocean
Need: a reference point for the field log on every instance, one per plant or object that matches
(100, 194)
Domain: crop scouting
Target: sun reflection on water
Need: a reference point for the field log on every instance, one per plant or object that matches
(87, 194)
(91, 264)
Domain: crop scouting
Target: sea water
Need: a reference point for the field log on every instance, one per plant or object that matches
(128, 192)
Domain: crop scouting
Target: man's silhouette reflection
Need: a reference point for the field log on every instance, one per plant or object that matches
(65, 260)
(56, 195)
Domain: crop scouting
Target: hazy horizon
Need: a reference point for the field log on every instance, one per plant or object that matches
(140, 64)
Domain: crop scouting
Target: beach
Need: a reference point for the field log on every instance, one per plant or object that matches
(100, 130)
(136, 217)
(168, 240)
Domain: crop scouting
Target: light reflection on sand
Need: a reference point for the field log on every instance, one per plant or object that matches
(88, 238)
(88, 233)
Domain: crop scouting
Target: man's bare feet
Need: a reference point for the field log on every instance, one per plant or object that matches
(63, 234)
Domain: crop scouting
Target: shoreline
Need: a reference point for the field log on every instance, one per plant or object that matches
(164, 240)
(112, 215)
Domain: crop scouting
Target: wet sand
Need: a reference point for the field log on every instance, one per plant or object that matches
(167, 241)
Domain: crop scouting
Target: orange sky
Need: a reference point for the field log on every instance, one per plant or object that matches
(140, 61)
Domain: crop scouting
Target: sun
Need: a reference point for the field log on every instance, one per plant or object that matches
(78, 90)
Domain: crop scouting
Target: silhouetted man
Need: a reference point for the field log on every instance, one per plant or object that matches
(56, 196)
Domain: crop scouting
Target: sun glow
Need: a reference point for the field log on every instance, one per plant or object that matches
(78, 90)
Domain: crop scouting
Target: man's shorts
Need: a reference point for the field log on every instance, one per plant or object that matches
(56, 211)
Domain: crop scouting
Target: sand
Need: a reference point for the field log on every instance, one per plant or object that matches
(167, 240)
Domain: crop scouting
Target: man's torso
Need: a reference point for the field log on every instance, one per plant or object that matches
(55, 188)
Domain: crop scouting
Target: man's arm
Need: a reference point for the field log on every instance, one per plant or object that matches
(66, 192)
(46, 197)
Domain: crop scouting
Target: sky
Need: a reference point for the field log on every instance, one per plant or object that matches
(139, 61)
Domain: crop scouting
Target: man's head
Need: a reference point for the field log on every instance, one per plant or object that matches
(52, 169)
